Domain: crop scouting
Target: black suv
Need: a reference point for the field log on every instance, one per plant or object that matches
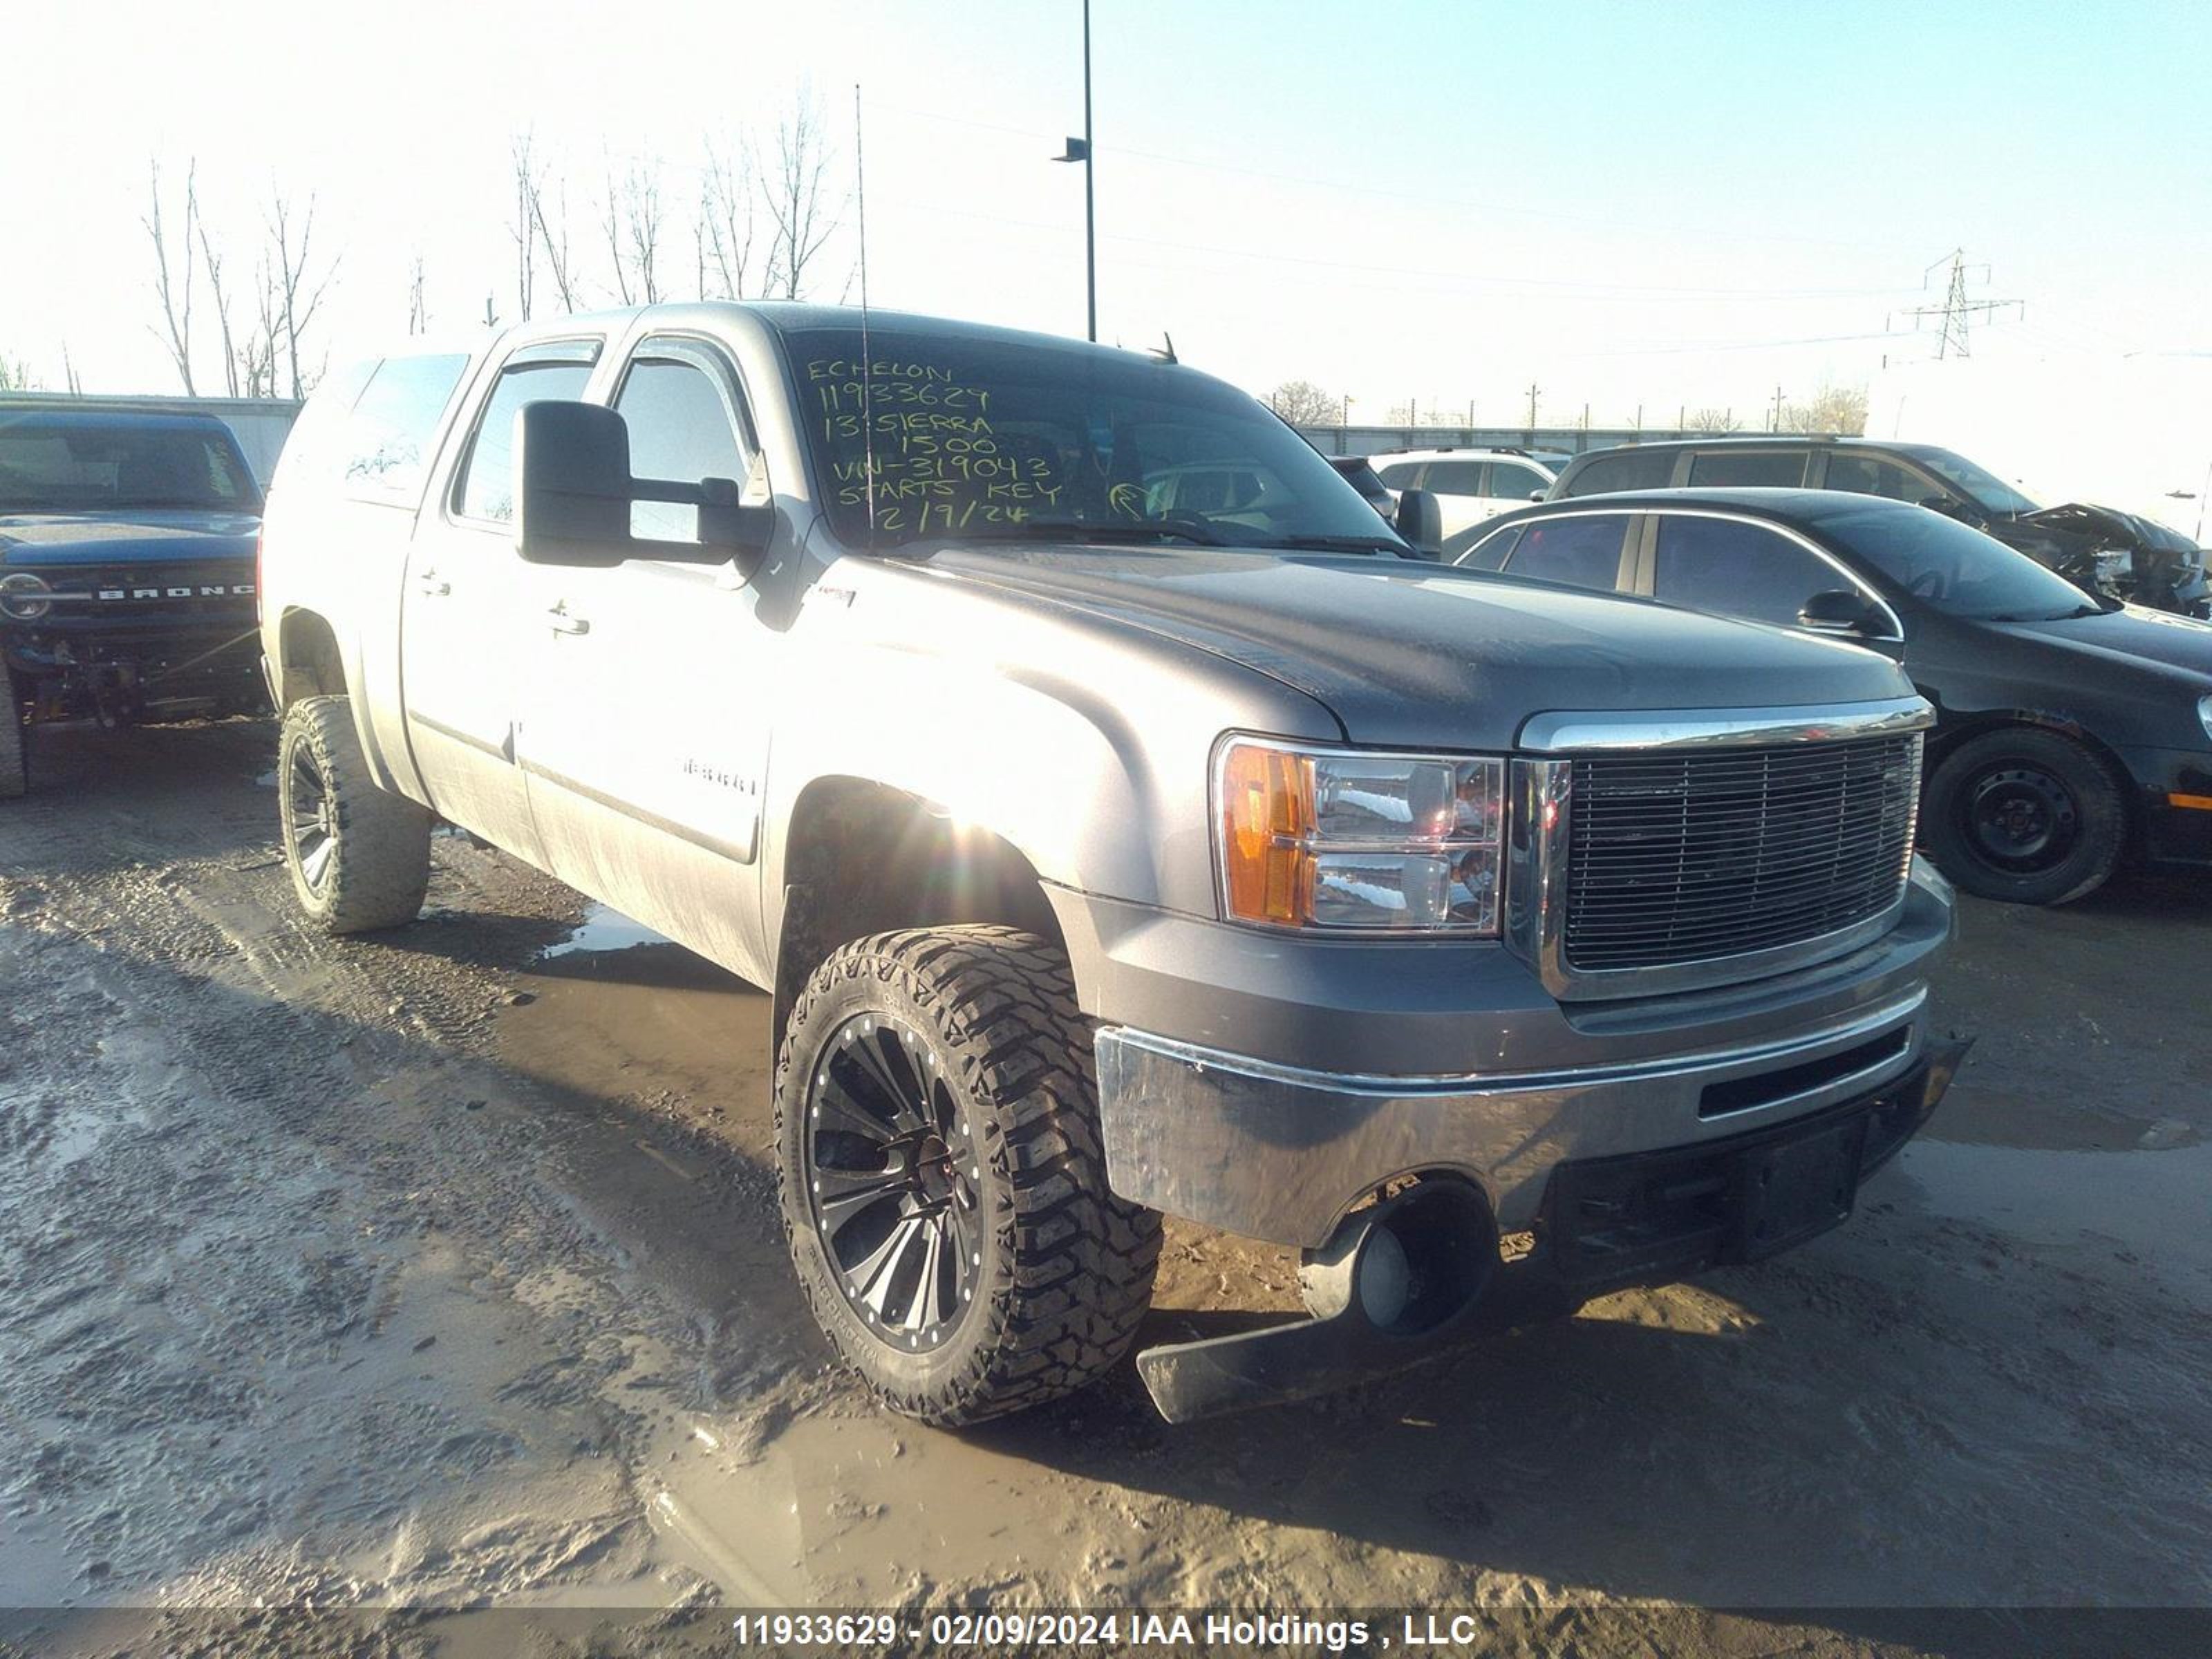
(2100, 549)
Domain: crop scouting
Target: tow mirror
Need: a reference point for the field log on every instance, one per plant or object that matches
(1837, 610)
(1420, 520)
(573, 493)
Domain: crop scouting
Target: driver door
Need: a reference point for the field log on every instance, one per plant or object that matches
(644, 733)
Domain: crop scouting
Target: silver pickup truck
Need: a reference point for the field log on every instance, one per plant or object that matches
(1125, 820)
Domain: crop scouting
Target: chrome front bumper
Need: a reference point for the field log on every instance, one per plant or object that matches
(1280, 1153)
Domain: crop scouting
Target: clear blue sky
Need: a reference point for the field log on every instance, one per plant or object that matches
(1626, 203)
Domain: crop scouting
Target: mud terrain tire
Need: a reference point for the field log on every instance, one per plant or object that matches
(982, 1022)
(2025, 816)
(360, 856)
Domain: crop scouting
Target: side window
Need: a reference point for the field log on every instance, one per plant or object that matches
(1515, 482)
(1626, 468)
(1581, 552)
(387, 442)
(1777, 468)
(1454, 477)
(1870, 475)
(1738, 569)
(1399, 475)
(1476, 551)
(485, 488)
(683, 428)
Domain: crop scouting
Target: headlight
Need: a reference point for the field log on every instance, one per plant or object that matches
(2204, 714)
(1359, 841)
(24, 597)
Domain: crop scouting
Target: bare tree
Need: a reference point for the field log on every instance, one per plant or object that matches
(213, 263)
(553, 239)
(1710, 419)
(1303, 404)
(1838, 409)
(524, 228)
(632, 226)
(418, 314)
(175, 294)
(298, 293)
(796, 197)
(728, 195)
(16, 375)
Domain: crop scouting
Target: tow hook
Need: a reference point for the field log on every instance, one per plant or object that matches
(1396, 1281)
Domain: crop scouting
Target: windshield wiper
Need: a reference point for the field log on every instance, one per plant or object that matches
(1345, 544)
(1084, 529)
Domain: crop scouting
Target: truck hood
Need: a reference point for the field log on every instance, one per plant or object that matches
(127, 535)
(2128, 637)
(1405, 653)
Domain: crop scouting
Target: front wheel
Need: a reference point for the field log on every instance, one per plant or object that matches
(2025, 816)
(944, 1192)
(360, 856)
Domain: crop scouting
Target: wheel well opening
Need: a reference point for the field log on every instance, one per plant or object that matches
(867, 859)
(1942, 746)
(311, 666)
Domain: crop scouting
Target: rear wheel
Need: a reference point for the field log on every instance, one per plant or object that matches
(2025, 816)
(943, 1192)
(360, 856)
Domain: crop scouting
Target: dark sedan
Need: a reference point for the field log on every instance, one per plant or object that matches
(2072, 735)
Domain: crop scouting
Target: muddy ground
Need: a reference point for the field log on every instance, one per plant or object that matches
(441, 1270)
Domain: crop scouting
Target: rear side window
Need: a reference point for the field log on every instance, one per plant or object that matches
(1629, 469)
(1512, 479)
(1869, 475)
(1736, 569)
(1580, 552)
(1454, 478)
(1399, 474)
(486, 488)
(1782, 469)
(385, 445)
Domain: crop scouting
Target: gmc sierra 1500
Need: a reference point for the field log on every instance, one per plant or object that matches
(1114, 841)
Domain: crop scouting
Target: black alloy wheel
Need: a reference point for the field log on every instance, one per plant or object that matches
(892, 1175)
(310, 820)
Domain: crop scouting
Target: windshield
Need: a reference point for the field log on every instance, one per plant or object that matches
(983, 439)
(1953, 567)
(83, 465)
(1983, 488)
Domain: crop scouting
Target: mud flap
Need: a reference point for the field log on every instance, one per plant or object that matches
(1284, 1363)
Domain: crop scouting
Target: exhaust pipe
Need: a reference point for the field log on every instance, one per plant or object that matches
(1396, 1280)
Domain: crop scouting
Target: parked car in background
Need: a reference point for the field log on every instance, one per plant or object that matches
(1470, 485)
(1359, 472)
(2100, 550)
(126, 571)
(2072, 734)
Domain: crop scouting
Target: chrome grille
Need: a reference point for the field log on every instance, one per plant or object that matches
(1692, 856)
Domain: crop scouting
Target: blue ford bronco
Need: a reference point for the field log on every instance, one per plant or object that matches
(127, 547)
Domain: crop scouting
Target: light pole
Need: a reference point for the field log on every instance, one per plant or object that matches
(1079, 149)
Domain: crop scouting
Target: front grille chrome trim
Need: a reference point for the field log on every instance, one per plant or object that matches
(1540, 790)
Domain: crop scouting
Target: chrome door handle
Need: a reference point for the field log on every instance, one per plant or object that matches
(428, 583)
(565, 623)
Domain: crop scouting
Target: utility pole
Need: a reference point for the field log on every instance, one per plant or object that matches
(1776, 425)
(1957, 308)
(1532, 408)
(1079, 149)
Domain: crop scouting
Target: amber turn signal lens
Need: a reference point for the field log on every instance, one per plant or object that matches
(1268, 809)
